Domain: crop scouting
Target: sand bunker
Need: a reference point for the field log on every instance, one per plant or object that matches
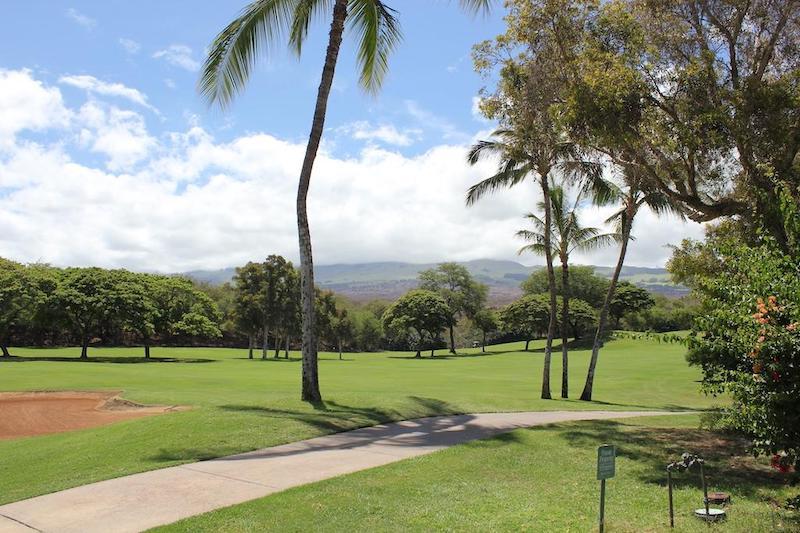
(24, 414)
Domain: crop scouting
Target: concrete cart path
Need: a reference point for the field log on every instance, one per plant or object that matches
(141, 501)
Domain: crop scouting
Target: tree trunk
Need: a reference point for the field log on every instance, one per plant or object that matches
(586, 395)
(527, 343)
(85, 347)
(419, 355)
(277, 345)
(340, 349)
(250, 345)
(310, 380)
(147, 350)
(564, 328)
(286, 351)
(452, 340)
(551, 281)
(265, 344)
(432, 349)
(483, 344)
(4, 350)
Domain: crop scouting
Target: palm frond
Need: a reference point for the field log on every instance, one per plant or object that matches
(303, 13)
(379, 32)
(598, 241)
(476, 6)
(509, 175)
(234, 52)
(538, 249)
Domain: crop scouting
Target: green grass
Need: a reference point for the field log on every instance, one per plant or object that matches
(538, 479)
(240, 405)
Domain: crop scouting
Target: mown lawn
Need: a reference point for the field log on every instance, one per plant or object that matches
(240, 405)
(538, 479)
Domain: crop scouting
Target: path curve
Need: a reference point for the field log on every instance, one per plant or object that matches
(141, 501)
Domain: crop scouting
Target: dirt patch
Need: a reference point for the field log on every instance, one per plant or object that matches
(25, 414)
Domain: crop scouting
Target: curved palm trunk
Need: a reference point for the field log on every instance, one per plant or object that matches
(310, 380)
(551, 281)
(586, 395)
(564, 328)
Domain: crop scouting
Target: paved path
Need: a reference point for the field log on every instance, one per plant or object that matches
(141, 501)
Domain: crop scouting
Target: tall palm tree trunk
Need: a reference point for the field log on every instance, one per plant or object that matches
(564, 327)
(551, 280)
(310, 386)
(586, 395)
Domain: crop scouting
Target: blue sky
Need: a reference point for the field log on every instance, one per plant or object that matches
(431, 76)
(109, 157)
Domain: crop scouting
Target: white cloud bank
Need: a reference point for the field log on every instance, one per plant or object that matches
(185, 201)
(93, 85)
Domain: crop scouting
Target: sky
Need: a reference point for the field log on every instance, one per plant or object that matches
(109, 157)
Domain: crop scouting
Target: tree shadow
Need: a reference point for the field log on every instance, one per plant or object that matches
(102, 359)
(665, 407)
(363, 426)
(728, 467)
(280, 359)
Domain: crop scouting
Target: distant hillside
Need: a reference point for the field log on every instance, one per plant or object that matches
(388, 280)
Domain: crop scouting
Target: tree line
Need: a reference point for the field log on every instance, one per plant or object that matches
(43, 305)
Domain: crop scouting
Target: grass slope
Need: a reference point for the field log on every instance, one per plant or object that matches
(538, 479)
(241, 405)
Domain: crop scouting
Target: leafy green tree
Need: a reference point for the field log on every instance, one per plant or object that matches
(568, 236)
(248, 284)
(264, 24)
(88, 298)
(486, 321)
(700, 97)
(629, 298)
(369, 331)
(583, 284)
(528, 316)
(18, 299)
(746, 340)
(136, 309)
(462, 294)
(421, 312)
(183, 310)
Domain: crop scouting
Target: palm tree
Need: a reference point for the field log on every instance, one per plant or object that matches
(262, 25)
(568, 236)
(536, 154)
(634, 193)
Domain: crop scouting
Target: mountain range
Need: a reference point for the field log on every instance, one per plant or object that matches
(388, 280)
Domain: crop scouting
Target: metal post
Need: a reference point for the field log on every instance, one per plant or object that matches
(705, 490)
(671, 508)
(602, 504)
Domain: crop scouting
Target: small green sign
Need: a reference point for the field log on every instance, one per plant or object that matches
(606, 454)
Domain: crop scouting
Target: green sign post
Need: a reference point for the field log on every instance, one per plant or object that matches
(606, 455)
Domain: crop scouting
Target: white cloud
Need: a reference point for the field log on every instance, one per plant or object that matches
(170, 83)
(130, 46)
(186, 201)
(119, 134)
(26, 104)
(92, 85)
(179, 55)
(363, 130)
(81, 19)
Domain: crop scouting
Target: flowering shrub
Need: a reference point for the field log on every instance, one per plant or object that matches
(747, 341)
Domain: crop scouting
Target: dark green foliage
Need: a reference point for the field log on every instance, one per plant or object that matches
(628, 298)
(584, 284)
(420, 316)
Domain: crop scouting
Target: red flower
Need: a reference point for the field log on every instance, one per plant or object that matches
(778, 463)
(775, 376)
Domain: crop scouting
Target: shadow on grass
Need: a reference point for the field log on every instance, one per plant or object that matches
(119, 360)
(665, 407)
(446, 355)
(280, 359)
(728, 466)
(332, 417)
